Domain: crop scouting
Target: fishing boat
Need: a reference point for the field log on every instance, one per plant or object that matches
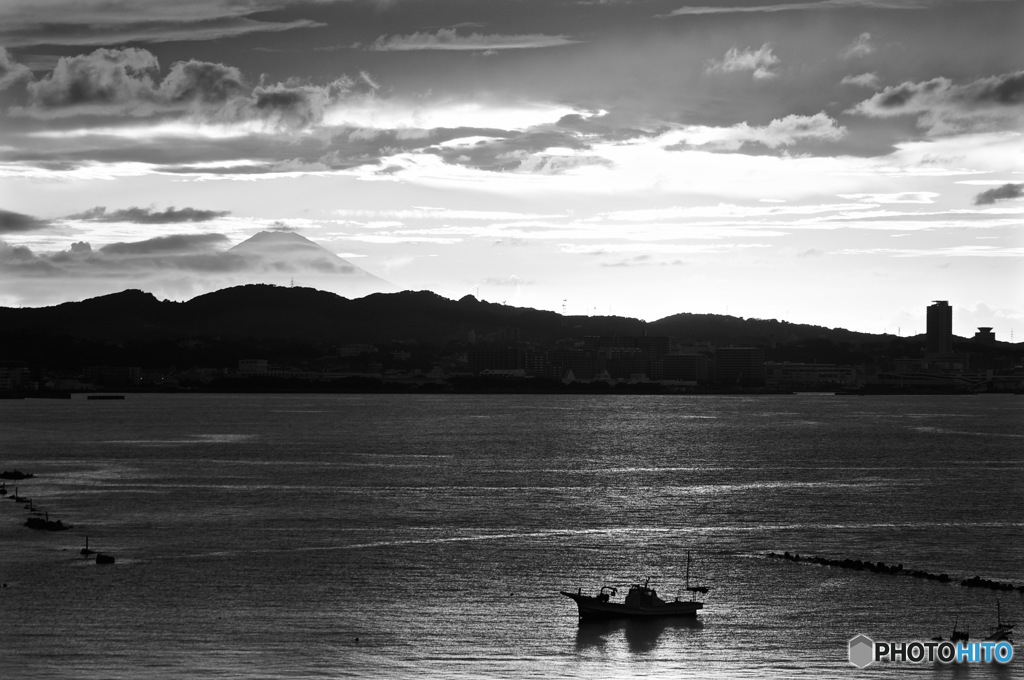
(957, 635)
(641, 602)
(1003, 630)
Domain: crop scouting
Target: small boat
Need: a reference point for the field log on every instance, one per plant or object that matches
(641, 602)
(957, 635)
(1003, 630)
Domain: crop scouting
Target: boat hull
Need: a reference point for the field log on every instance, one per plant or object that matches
(594, 609)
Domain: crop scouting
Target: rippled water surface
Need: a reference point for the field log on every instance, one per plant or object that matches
(260, 535)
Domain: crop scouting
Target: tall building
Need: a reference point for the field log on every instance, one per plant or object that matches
(940, 327)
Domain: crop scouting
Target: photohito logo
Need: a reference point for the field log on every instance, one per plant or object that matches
(864, 651)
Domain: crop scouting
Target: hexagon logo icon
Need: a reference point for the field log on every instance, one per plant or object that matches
(862, 650)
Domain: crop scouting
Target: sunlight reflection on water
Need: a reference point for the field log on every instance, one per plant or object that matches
(439, 530)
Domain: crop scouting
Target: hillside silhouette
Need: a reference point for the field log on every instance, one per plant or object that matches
(306, 314)
(303, 326)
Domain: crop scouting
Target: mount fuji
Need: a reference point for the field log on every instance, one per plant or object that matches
(285, 256)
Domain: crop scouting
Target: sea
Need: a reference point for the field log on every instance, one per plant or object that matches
(400, 536)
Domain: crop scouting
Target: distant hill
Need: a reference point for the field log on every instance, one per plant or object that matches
(135, 328)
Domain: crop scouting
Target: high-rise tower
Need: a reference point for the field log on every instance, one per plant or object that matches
(940, 327)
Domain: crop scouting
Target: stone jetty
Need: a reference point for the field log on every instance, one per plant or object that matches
(894, 569)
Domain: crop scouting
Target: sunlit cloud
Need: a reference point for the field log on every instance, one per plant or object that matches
(869, 80)
(861, 47)
(759, 62)
(449, 39)
(955, 251)
(902, 197)
(397, 114)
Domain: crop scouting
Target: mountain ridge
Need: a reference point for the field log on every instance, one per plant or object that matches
(254, 303)
(306, 327)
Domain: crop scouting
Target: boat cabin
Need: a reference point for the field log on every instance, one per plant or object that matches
(642, 596)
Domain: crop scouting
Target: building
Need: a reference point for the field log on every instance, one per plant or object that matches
(985, 335)
(113, 376)
(248, 367)
(485, 357)
(940, 327)
(791, 375)
(13, 375)
(686, 368)
(739, 367)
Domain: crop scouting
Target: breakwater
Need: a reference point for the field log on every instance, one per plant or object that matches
(39, 519)
(894, 569)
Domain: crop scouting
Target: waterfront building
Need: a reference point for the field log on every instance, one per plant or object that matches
(940, 327)
(739, 367)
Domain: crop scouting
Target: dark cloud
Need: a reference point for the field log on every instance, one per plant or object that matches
(12, 222)
(177, 253)
(1005, 192)
(901, 95)
(995, 102)
(16, 255)
(148, 216)
(176, 243)
(1006, 90)
(12, 72)
(127, 82)
(203, 82)
(102, 78)
(290, 107)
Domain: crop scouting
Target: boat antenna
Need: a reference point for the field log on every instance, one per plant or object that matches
(687, 569)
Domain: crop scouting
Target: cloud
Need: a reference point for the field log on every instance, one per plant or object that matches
(861, 47)
(512, 280)
(1003, 193)
(201, 82)
(13, 223)
(448, 39)
(863, 80)
(127, 82)
(803, 6)
(944, 107)
(294, 107)
(149, 216)
(175, 243)
(760, 61)
(12, 72)
(546, 151)
(121, 78)
(86, 35)
(921, 197)
(100, 22)
(779, 132)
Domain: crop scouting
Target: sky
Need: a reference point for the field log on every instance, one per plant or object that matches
(836, 162)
